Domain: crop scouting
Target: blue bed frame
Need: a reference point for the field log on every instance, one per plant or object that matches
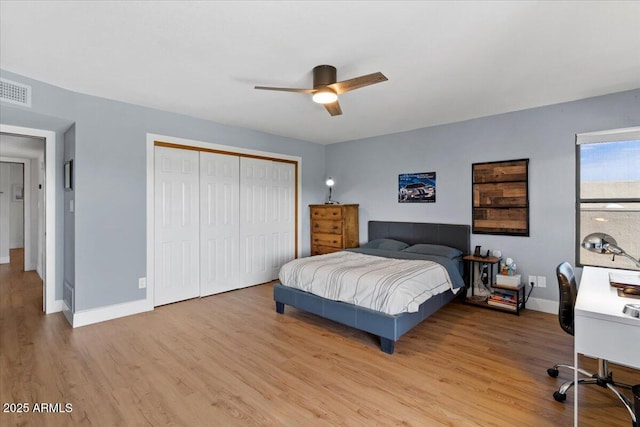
(389, 328)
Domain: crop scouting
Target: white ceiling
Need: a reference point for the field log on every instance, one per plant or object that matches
(446, 61)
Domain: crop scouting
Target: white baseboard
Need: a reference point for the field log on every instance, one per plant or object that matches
(5, 260)
(543, 305)
(87, 317)
(56, 307)
(67, 313)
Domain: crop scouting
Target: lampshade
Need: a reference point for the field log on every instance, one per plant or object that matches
(324, 96)
(330, 182)
(602, 243)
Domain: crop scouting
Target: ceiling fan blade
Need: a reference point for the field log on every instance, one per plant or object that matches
(357, 82)
(333, 108)
(285, 89)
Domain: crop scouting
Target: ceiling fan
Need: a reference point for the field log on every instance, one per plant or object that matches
(326, 89)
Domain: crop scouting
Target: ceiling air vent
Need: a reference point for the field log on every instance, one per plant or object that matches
(15, 93)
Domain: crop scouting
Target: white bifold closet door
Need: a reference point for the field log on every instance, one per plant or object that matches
(267, 223)
(219, 223)
(177, 225)
(223, 222)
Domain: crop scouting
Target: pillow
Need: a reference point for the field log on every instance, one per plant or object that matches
(429, 249)
(386, 244)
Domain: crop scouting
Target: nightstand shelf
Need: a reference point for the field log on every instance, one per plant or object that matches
(518, 291)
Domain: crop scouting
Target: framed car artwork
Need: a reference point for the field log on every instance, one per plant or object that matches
(417, 187)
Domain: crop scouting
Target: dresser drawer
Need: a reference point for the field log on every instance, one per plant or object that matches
(326, 226)
(328, 212)
(321, 250)
(322, 239)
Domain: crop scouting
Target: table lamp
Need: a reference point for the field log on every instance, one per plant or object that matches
(330, 183)
(604, 244)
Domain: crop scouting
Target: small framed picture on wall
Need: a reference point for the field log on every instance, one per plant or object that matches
(417, 187)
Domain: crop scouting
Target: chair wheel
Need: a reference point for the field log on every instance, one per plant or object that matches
(553, 372)
(559, 397)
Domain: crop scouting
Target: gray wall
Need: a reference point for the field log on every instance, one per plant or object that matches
(110, 180)
(366, 172)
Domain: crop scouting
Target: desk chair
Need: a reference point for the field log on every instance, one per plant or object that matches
(604, 377)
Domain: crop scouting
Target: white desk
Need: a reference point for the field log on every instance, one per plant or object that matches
(601, 329)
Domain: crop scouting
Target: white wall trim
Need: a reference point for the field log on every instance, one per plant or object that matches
(543, 305)
(56, 306)
(625, 134)
(100, 314)
(26, 220)
(67, 313)
(49, 297)
(151, 138)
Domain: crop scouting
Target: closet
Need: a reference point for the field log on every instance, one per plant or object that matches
(223, 221)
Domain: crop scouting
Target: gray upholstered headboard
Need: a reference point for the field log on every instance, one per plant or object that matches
(454, 235)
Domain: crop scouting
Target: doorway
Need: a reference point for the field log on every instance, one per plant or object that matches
(32, 148)
(18, 207)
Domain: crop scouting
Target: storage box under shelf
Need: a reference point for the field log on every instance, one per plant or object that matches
(511, 281)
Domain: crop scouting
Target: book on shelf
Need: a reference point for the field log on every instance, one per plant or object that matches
(504, 300)
(504, 297)
(502, 304)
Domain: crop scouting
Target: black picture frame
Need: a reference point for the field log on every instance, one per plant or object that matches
(68, 175)
(500, 197)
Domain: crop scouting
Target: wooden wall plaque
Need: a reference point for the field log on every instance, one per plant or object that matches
(500, 192)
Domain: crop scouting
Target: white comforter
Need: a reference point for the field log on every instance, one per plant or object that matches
(388, 285)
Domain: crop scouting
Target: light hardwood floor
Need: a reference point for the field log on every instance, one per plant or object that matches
(230, 359)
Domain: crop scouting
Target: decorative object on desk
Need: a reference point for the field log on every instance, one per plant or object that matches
(477, 251)
(330, 183)
(508, 268)
(604, 244)
(417, 187)
(632, 310)
(497, 253)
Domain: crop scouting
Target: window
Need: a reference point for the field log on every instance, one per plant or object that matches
(608, 192)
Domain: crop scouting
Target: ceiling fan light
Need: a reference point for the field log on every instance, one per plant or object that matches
(325, 96)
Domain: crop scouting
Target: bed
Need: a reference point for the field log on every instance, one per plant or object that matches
(388, 327)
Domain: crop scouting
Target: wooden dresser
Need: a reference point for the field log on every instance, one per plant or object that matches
(333, 227)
